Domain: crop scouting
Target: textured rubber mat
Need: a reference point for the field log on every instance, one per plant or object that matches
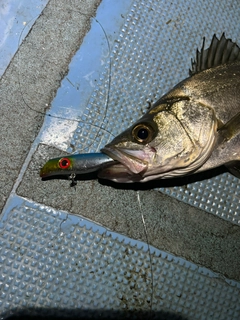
(219, 195)
(57, 264)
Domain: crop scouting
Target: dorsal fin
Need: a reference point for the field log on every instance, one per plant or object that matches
(220, 52)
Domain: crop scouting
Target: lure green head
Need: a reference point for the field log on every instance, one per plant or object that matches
(57, 166)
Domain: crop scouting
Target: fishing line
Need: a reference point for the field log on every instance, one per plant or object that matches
(108, 85)
(149, 251)
(93, 125)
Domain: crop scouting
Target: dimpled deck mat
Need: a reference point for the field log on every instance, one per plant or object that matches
(56, 264)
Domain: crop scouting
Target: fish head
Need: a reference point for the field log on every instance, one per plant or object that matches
(174, 138)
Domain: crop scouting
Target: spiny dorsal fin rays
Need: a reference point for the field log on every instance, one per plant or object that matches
(220, 52)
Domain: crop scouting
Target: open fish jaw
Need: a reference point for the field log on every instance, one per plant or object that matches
(136, 161)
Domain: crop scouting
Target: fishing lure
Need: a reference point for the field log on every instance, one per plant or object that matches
(75, 164)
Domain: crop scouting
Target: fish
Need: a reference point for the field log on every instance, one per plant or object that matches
(193, 128)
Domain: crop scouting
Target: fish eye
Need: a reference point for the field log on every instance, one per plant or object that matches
(142, 133)
(64, 163)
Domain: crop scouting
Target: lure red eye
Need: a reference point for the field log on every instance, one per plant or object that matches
(64, 163)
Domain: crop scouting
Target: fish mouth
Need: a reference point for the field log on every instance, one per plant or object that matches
(133, 160)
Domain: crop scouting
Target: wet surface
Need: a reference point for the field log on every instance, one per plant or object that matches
(16, 21)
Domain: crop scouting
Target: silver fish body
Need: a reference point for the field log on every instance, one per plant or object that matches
(194, 127)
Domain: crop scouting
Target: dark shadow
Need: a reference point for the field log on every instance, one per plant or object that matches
(79, 177)
(162, 183)
(166, 183)
(47, 314)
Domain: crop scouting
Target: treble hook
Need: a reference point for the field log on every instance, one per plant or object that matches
(72, 177)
